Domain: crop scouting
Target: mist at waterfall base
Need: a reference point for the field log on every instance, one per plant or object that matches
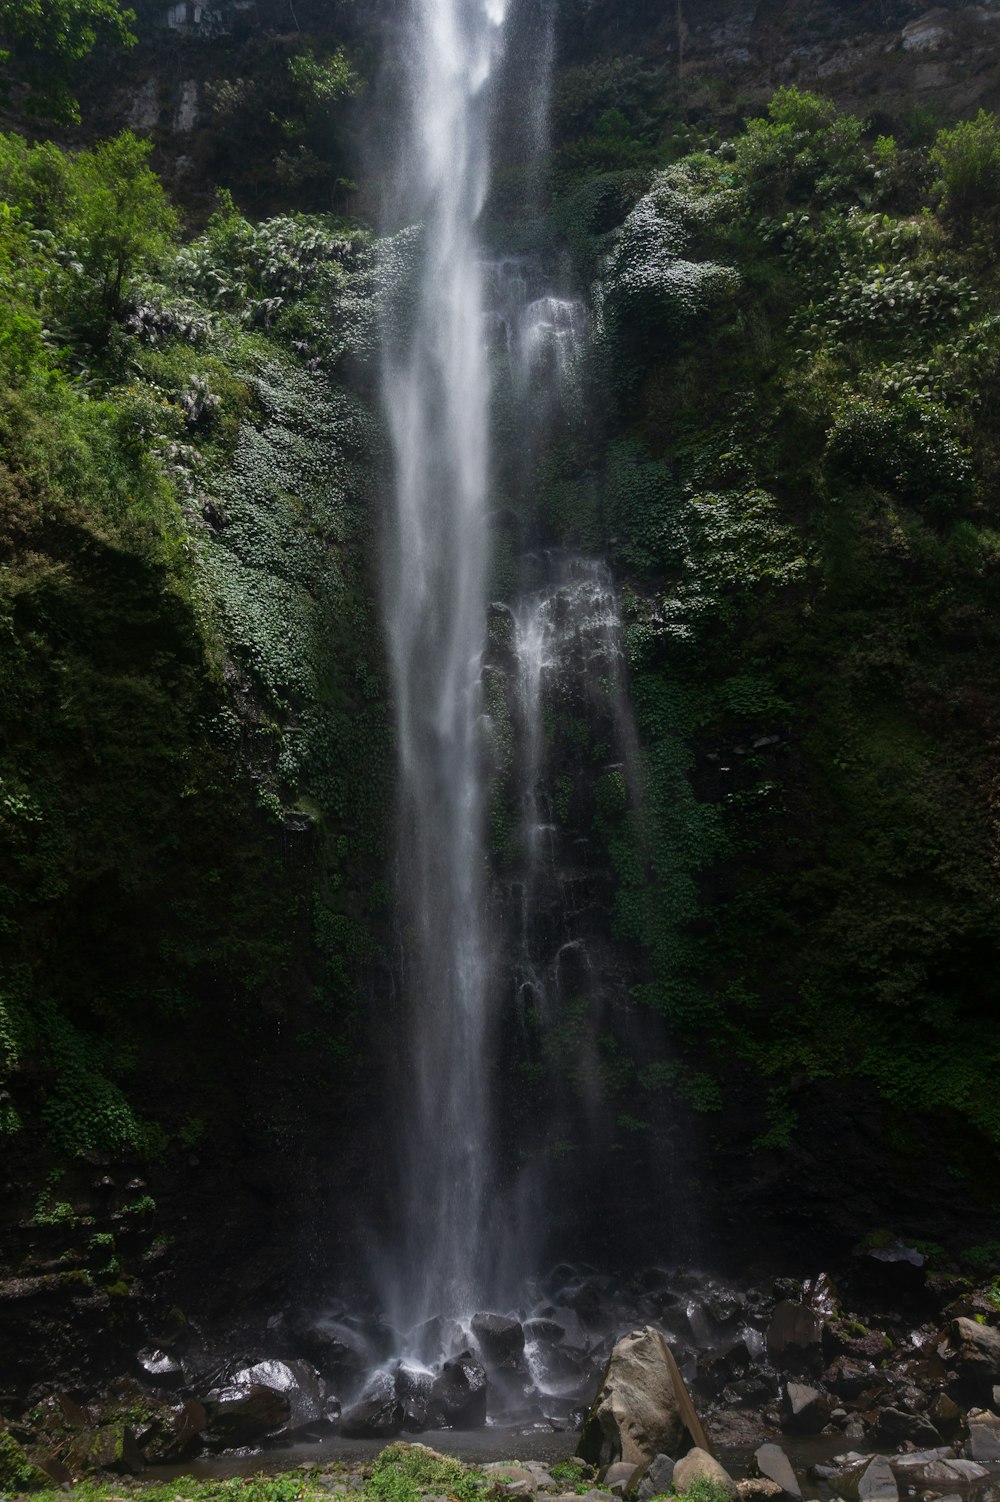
(501, 957)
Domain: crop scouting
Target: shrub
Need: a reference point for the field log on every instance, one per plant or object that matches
(968, 159)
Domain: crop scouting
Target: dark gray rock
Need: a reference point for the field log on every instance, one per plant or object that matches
(245, 1416)
(804, 1410)
(618, 1477)
(894, 1427)
(378, 1413)
(654, 1479)
(413, 1389)
(299, 1381)
(501, 1339)
(160, 1370)
(870, 1481)
(458, 1397)
(774, 1464)
(794, 1335)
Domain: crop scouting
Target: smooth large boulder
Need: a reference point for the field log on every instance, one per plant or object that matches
(110, 1447)
(642, 1407)
(698, 1465)
(458, 1397)
(251, 1416)
(893, 1427)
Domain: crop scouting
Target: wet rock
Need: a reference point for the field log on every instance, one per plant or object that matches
(246, 1419)
(774, 1465)
(983, 1443)
(160, 1370)
(725, 1306)
(872, 1481)
(805, 1410)
(618, 1477)
(698, 1465)
(893, 1427)
(794, 1334)
(546, 1330)
(974, 1352)
(848, 1377)
(299, 1381)
(110, 1447)
(190, 1423)
(849, 1338)
(458, 1397)
(378, 1413)
(652, 1479)
(642, 1407)
(413, 1390)
(500, 1338)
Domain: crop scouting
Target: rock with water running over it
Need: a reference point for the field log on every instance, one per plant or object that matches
(413, 1389)
(458, 1397)
(501, 1339)
(642, 1408)
(378, 1413)
(697, 1465)
(774, 1465)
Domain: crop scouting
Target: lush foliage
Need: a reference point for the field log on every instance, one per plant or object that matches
(45, 39)
(194, 744)
(800, 331)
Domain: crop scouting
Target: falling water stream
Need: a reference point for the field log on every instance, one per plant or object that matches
(466, 1216)
(436, 396)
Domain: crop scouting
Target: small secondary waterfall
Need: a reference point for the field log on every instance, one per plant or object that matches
(436, 394)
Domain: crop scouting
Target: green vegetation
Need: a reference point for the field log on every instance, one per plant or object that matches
(44, 40)
(188, 663)
(800, 329)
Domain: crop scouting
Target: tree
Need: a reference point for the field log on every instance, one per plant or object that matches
(41, 42)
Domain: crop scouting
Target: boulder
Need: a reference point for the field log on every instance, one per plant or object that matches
(698, 1465)
(653, 1479)
(160, 1370)
(642, 1408)
(804, 1410)
(894, 1427)
(794, 1335)
(110, 1447)
(774, 1465)
(378, 1413)
(757, 1489)
(511, 1480)
(952, 1472)
(974, 1351)
(458, 1397)
(413, 1390)
(299, 1381)
(983, 1443)
(245, 1416)
(848, 1377)
(871, 1481)
(501, 1339)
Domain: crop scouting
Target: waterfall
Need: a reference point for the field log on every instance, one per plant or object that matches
(436, 395)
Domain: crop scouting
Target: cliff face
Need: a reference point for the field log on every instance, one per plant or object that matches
(789, 461)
